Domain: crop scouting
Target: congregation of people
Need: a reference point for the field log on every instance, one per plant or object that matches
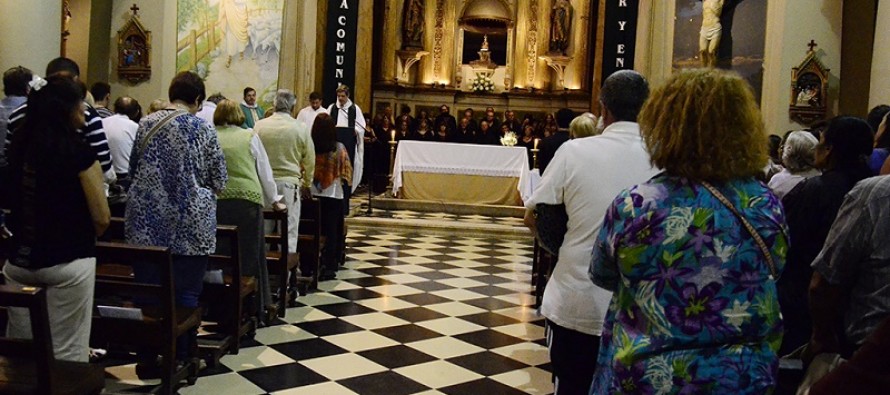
(175, 173)
(698, 250)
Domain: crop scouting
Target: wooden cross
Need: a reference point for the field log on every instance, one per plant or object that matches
(812, 45)
(135, 9)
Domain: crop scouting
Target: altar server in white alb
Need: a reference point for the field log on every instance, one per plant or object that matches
(307, 114)
(351, 132)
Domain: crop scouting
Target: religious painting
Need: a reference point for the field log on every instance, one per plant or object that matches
(706, 35)
(134, 50)
(809, 89)
(231, 44)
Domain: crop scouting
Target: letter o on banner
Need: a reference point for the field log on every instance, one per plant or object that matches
(341, 33)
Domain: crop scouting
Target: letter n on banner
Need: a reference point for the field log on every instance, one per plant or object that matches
(619, 36)
(340, 46)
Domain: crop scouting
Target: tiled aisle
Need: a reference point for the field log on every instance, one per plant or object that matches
(411, 314)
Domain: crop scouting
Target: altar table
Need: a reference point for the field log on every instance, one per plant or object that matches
(461, 173)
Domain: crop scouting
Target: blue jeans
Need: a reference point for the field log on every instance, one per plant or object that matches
(188, 282)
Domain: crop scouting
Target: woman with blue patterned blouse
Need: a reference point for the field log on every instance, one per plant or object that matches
(177, 168)
(694, 308)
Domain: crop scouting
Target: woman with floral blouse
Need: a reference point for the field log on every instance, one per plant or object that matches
(694, 308)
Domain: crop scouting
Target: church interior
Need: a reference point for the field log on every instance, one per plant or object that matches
(441, 280)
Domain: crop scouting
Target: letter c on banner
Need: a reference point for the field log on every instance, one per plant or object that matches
(342, 20)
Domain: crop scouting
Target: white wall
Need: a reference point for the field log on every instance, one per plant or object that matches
(30, 33)
(880, 66)
(791, 24)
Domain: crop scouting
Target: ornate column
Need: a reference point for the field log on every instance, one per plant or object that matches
(531, 59)
(388, 73)
(438, 36)
(508, 74)
(459, 58)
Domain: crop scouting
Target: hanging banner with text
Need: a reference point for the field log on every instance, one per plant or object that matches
(620, 35)
(339, 53)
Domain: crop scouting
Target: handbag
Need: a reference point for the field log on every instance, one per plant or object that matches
(747, 225)
(552, 223)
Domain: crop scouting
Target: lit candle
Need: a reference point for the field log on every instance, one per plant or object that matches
(393, 135)
(536, 143)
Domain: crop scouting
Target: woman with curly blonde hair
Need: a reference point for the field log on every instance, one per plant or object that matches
(694, 308)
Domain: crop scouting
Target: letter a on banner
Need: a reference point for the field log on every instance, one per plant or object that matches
(340, 47)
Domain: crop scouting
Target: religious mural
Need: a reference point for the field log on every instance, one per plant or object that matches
(232, 44)
(705, 35)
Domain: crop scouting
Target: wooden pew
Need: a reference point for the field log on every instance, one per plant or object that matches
(154, 327)
(311, 242)
(282, 265)
(227, 301)
(29, 366)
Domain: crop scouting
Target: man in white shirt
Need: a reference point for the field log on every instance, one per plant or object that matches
(586, 174)
(209, 107)
(120, 130)
(307, 114)
(350, 123)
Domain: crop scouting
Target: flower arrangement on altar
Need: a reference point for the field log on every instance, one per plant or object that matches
(483, 84)
(509, 139)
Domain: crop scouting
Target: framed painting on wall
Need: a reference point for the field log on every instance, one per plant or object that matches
(231, 44)
(740, 36)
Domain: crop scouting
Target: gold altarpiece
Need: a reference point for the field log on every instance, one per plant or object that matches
(433, 61)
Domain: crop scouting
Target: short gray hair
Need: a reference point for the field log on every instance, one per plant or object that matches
(624, 93)
(285, 100)
(799, 151)
(583, 125)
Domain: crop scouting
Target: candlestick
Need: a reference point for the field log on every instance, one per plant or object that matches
(535, 156)
(536, 143)
(392, 160)
(393, 135)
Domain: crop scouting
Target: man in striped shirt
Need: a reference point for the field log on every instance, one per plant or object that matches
(92, 131)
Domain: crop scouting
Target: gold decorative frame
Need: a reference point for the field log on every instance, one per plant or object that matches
(134, 50)
(809, 89)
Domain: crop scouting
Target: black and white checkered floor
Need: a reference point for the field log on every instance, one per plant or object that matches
(470, 219)
(410, 314)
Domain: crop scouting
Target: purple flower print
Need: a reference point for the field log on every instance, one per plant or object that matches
(667, 275)
(694, 311)
(748, 280)
(647, 230)
(630, 379)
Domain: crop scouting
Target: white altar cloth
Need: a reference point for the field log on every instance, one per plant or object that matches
(462, 159)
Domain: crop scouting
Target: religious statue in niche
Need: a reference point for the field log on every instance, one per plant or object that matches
(711, 31)
(134, 50)
(809, 89)
(484, 61)
(560, 26)
(412, 25)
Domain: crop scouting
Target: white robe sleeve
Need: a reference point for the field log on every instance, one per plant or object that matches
(358, 169)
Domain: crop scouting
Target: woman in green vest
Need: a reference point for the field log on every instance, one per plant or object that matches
(250, 188)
